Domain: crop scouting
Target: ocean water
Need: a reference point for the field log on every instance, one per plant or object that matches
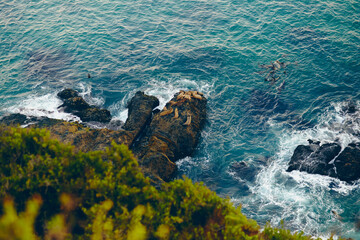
(217, 47)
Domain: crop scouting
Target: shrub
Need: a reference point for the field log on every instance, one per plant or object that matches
(104, 195)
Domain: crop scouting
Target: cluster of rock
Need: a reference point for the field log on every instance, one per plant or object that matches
(76, 105)
(329, 158)
(157, 138)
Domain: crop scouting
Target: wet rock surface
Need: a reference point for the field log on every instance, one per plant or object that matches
(166, 135)
(348, 163)
(140, 111)
(76, 105)
(314, 158)
(331, 159)
(327, 159)
(350, 108)
(173, 133)
(14, 119)
(67, 93)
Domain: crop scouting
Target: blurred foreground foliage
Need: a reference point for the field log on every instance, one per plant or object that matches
(64, 194)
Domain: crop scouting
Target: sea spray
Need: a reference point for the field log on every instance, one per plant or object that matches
(164, 90)
(308, 201)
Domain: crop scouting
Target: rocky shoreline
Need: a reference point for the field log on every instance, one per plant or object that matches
(157, 138)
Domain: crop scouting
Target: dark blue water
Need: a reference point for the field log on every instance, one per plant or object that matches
(217, 47)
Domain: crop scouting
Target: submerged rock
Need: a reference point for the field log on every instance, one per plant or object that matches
(79, 107)
(350, 107)
(243, 170)
(173, 133)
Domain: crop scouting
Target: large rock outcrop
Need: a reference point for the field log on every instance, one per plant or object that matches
(172, 134)
(84, 138)
(140, 112)
(157, 139)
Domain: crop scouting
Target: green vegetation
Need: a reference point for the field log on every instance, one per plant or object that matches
(64, 194)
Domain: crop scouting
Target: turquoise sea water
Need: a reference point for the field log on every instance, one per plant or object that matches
(217, 47)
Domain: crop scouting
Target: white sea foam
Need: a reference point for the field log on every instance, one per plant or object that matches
(42, 106)
(305, 199)
(46, 105)
(86, 93)
(119, 109)
(163, 90)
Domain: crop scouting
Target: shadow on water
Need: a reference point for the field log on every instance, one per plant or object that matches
(262, 106)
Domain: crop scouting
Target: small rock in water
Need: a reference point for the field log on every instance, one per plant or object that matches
(243, 170)
(94, 114)
(76, 105)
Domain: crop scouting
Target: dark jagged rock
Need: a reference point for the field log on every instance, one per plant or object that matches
(77, 106)
(300, 155)
(328, 160)
(140, 111)
(314, 158)
(348, 163)
(21, 119)
(173, 133)
(74, 104)
(94, 114)
(14, 119)
(67, 93)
